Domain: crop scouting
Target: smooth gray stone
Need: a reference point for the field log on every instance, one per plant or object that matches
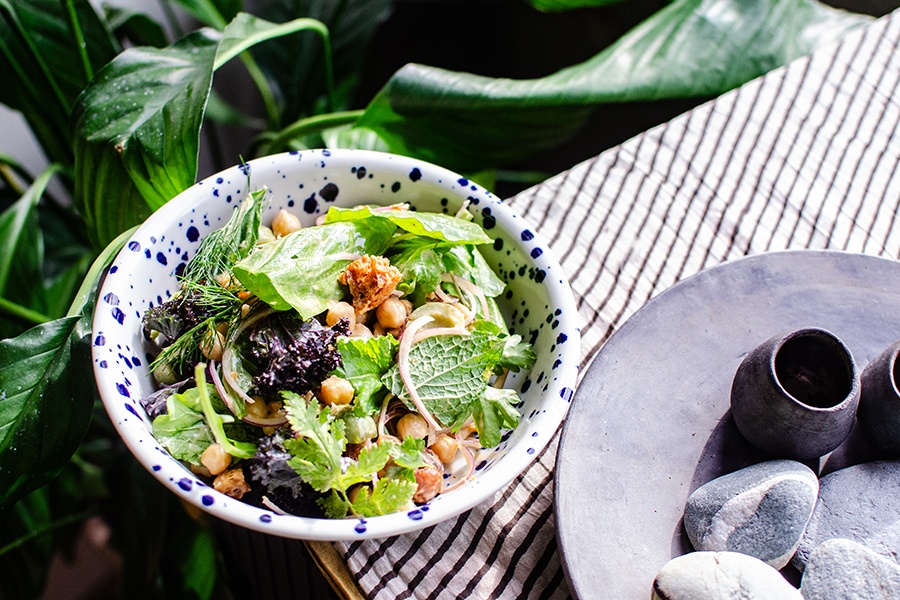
(886, 542)
(858, 503)
(760, 510)
(720, 576)
(840, 569)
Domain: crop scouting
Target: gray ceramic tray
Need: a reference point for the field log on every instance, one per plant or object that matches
(650, 421)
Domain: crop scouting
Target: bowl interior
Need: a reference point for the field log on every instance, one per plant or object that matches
(537, 304)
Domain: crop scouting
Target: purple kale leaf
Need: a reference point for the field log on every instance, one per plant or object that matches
(291, 354)
(269, 475)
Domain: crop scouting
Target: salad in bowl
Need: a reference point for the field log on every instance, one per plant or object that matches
(335, 344)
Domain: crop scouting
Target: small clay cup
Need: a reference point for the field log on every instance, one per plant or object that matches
(796, 394)
(879, 401)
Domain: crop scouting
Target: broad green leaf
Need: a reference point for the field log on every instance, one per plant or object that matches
(139, 28)
(22, 249)
(47, 391)
(45, 405)
(215, 13)
(137, 126)
(436, 226)
(363, 362)
(43, 67)
(301, 270)
(146, 108)
(295, 65)
(449, 373)
(563, 5)
(200, 566)
(690, 48)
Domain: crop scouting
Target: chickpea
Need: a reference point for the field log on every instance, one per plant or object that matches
(213, 346)
(336, 390)
(285, 223)
(257, 409)
(164, 375)
(391, 313)
(378, 329)
(445, 447)
(338, 311)
(413, 425)
(215, 459)
(360, 331)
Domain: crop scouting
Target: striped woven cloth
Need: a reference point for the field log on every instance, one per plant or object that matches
(805, 157)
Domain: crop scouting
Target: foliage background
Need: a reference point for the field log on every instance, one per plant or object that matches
(159, 549)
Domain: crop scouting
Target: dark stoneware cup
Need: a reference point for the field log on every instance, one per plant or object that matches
(796, 394)
(879, 402)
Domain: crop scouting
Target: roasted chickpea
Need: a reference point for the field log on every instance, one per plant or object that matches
(336, 390)
(391, 313)
(360, 331)
(413, 425)
(285, 223)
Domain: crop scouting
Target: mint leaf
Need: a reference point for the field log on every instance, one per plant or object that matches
(450, 373)
(493, 412)
(363, 364)
(301, 270)
(389, 495)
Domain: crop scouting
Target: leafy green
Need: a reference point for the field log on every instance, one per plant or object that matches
(468, 263)
(317, 458)
(449, 372)
(45, 401)
(182, 429)
(517, 354)
(388, 495)
(216, 421)
(690, 48)
(363, 362)
(301, 270)
(430, 225)
(494, 411)
(420, 263)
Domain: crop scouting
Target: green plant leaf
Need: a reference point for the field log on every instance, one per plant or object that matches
(22, 249)
(45, 405)
(690, 48)
(215, 13)
(136, 26)
(43, 67)
(301, 84)
(563, 5)
(137, 125)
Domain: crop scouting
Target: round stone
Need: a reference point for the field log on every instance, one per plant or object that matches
(761, 510)
(840, 569)
(858, 503)
(720, 576)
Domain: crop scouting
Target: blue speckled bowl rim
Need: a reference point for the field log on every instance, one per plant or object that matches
(560, 339)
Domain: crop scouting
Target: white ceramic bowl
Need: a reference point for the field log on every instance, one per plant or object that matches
(538, 305)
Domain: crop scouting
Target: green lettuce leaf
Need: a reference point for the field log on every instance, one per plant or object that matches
(301, 270)
(437, 226)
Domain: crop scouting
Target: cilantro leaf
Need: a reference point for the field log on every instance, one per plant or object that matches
(363, 364)
(335, 505)
(317, 452)
(408, 455)
(371, 460)
(517, 355)
(387, 496)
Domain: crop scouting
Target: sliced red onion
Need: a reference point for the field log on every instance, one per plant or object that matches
(470, 469)
(468, 286)
(406, 342)
(462, 209)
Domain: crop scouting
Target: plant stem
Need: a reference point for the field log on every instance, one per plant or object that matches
(93, 274)
(31, 535)
(262, 84)
(18, 311)
(314, 124)
(79, 40)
